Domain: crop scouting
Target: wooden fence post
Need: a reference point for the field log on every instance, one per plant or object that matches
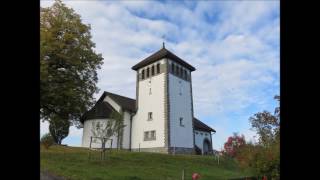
(182, 174)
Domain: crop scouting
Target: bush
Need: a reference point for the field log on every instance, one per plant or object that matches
(47, 140)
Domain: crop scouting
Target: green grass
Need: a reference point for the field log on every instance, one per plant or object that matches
(73, 163)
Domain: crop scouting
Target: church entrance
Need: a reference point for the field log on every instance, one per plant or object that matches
(206, 146)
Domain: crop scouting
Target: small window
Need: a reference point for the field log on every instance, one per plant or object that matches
(158, 68)
(172, 68)
(149, 135)
(149, 116)
(142, 74)
(197, 133)
(152, 70)
(146, 135)
(153, 135)
(147, 72)
(177, 70)
(181, 122)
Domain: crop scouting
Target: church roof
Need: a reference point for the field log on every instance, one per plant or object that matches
(100, 110)
(162, 53)
(125, 102)
(198, 125)
(103, 109)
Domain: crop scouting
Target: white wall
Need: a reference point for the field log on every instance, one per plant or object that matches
(112, 103)
(180, 106)
(87, 133)
(199, 138)
(149, 103)
(126, 131)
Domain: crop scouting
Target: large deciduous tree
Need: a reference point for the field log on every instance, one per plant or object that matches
(68, 64)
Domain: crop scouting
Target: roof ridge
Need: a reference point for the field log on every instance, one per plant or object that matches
(118, 95)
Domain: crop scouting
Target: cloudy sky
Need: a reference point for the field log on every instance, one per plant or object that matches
(234, 46)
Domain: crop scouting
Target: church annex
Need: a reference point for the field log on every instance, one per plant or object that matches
(161, 119)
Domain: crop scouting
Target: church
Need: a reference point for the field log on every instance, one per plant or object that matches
(161, 118)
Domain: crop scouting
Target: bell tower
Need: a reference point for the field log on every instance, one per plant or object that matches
(164, 118)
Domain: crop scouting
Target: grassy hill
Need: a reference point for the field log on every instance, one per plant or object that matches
(73, 163)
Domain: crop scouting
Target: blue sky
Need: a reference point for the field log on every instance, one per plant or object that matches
(234, 46)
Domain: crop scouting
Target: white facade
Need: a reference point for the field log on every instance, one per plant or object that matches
(180, 108)
(151, 99)
(200, 137)
(87, 134)
(167, 97)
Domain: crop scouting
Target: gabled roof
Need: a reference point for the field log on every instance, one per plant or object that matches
(162, 53)
(103, 109)
(100, 110)
(198, 125)
(125, 102)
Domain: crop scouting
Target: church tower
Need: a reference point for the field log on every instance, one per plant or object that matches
(164, 107)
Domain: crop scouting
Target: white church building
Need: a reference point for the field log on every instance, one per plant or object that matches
(161, 118)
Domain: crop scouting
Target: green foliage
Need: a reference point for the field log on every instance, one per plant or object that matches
(123, 165)
(47, 140)
(68, 64)
(58, 128)
(264, 157)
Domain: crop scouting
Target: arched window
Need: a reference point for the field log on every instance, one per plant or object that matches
(172, 68)
(152, 70)
(158, 68)
(148, 72)
(142, 74)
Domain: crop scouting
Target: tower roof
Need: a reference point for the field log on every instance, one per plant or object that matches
(162, 53)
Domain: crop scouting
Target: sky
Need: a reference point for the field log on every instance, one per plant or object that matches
(234, 45)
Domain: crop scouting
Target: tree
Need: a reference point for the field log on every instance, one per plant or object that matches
(58, 128)
(68, 64)
(104, 131)
(267, 125)
(264, 157)
(234, 143)
(47, 140)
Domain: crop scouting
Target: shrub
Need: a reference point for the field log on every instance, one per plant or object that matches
(47, 140)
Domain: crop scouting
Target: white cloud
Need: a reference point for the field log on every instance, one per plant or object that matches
(236, 53)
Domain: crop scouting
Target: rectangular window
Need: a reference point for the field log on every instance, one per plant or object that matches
(147, 72)
(149, 116)
(152, 70)
(158, 68)
(142, 74)
(149, 135)
(153, 135)
(146, 135)
(181, 122)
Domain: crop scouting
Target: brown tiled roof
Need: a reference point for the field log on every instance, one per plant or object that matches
(198, 125)
(162, 53)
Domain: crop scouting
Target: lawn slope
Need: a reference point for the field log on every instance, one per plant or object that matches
(73, 163)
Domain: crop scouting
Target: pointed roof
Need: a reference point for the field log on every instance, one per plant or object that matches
(162, 53)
